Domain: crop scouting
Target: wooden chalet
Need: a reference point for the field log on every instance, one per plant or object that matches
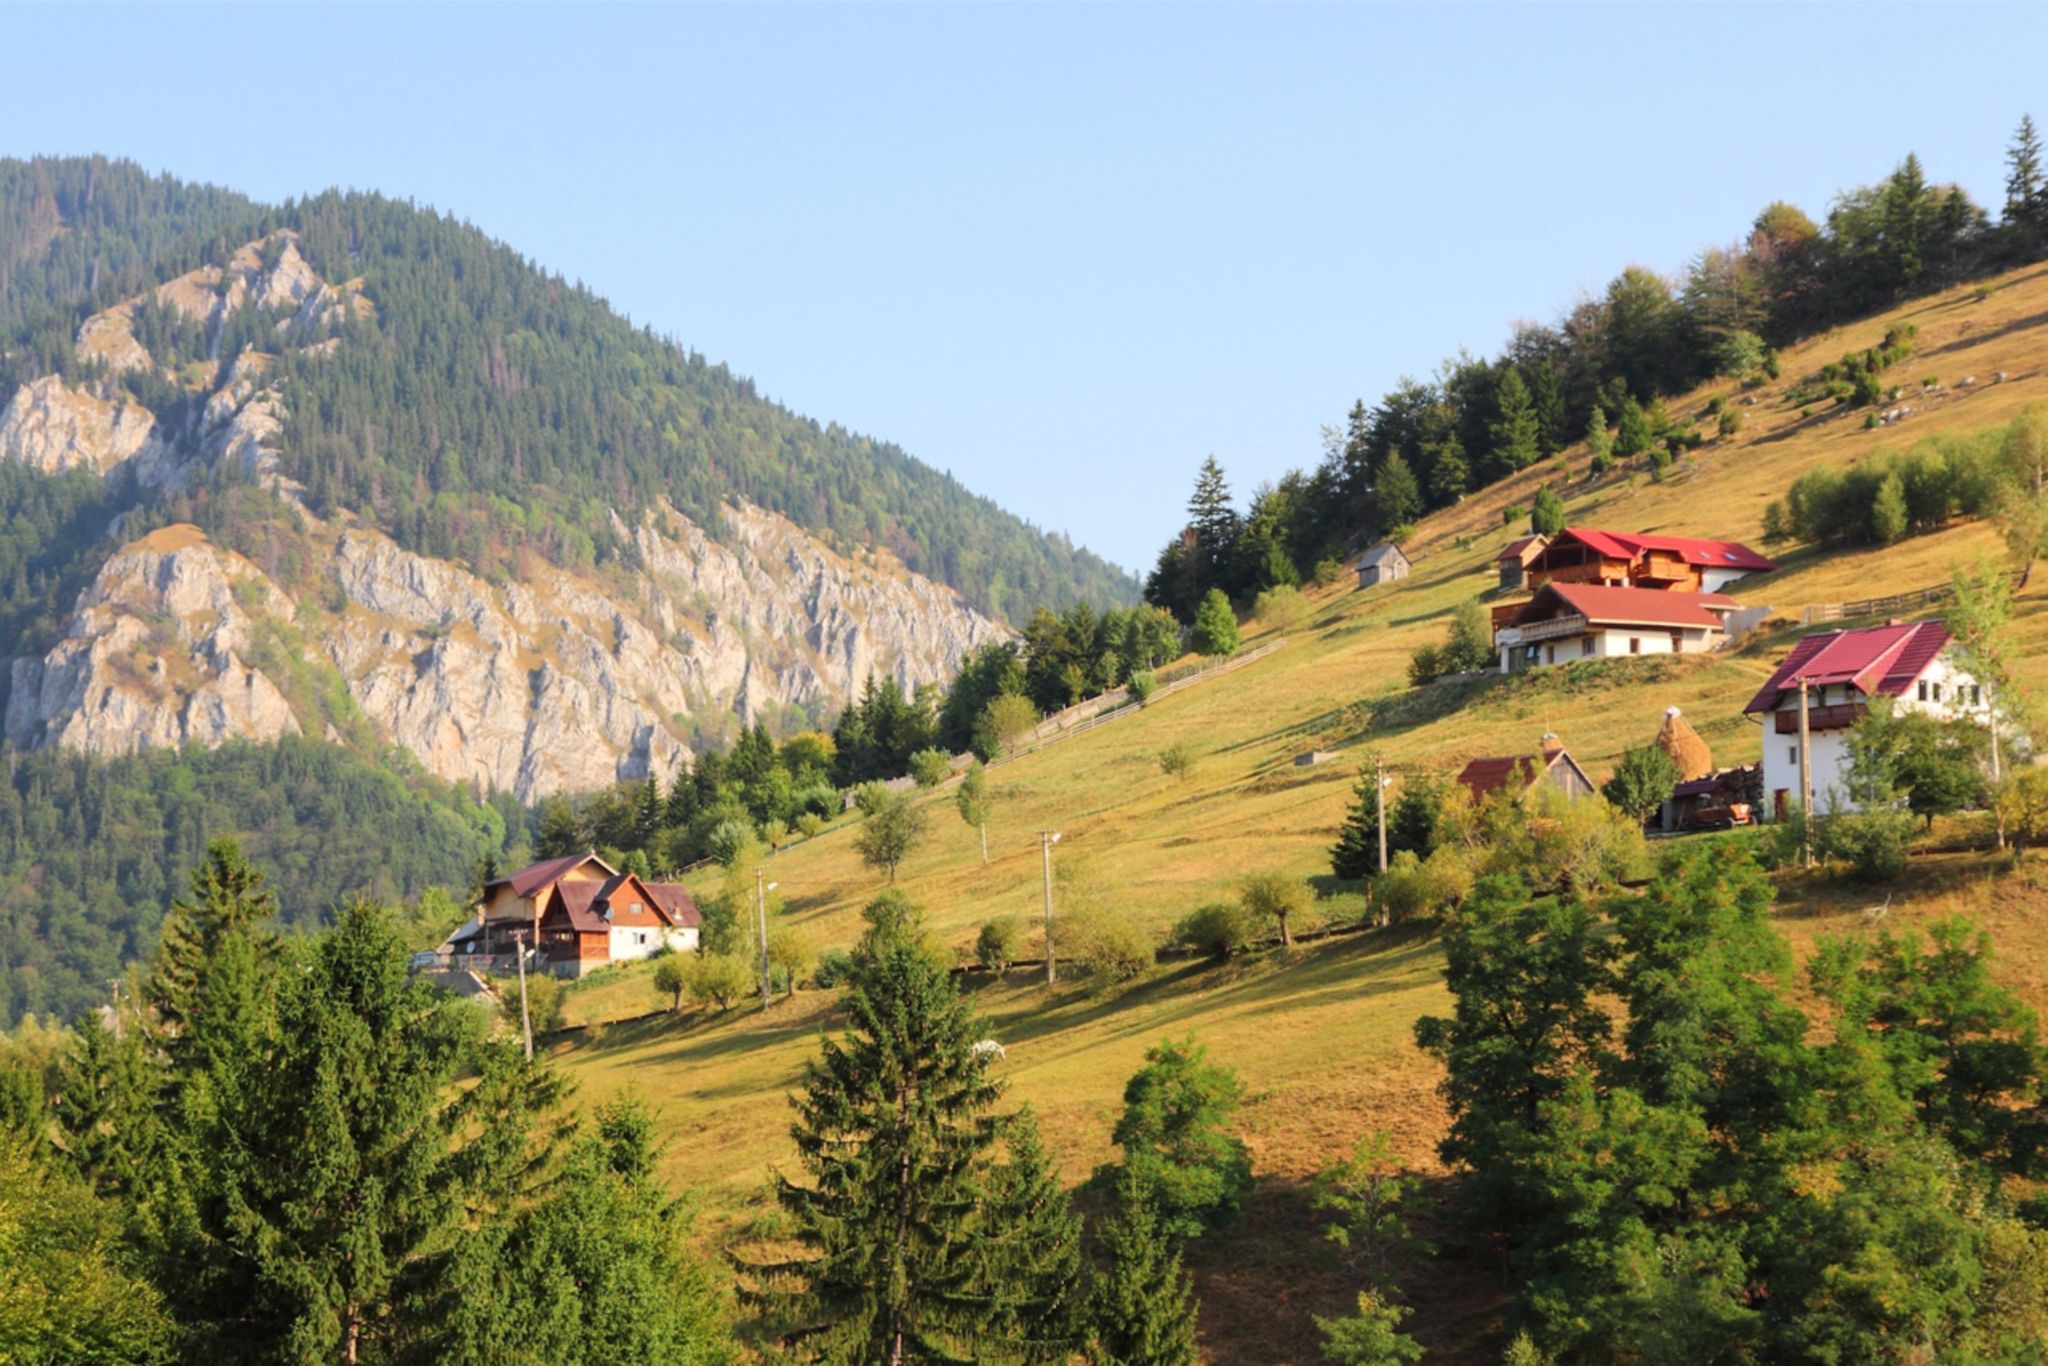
(1568, 621)
(575, 914)
(1518, 774)
(1617, 559)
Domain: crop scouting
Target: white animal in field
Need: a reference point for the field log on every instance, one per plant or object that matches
(986, 1049)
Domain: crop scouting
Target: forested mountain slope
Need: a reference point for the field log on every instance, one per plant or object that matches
(371, 476)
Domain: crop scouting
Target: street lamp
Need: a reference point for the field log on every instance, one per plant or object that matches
(1046, 840)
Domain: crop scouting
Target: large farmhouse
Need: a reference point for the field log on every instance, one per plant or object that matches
(580, 913)
(1567, 621)
(1620, 559)
(1605, 593)
(1910, 663)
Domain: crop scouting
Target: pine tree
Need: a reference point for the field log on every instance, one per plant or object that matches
(1546, 518)
(1173, 1133)
(1030, 1247)
(1215, 524)
(1599, 441)
(1546, 395)
(107, 1092)
(1144, 1307)
(1357, 854)
(2026, 193)
(1516, 435)
(892, 1134)
(228, 900)
(1450, 477)
(1397, 500)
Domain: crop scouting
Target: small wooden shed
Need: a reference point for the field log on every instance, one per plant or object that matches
(1382, 564)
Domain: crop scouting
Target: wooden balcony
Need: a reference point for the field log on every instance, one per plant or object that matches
(1571, 624)
(1839, 717)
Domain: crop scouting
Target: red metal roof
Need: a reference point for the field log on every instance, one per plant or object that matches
(1603, 606)
(1627, 545)
(1484, 776)
(535, 876)
(675, 902)
(1877, 660)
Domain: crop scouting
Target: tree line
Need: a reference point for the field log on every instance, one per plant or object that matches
(1600, 373)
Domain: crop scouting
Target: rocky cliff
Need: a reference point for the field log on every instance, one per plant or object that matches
(551, 681)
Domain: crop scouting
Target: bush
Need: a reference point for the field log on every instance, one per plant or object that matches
(1218, 929)
(1142, 685)
(790, 955)
(720, 979)
(1177, 760)
(931, 767)
(1546, 518)
(543, 1001)
(1512, 513)
(1729, 423)
(1413, 888)
(1872, 842)
(996, 945)
(1281, 608)
(1106, 944)
(1329, 570)
(809, 824)
(1425, 665)
(1215, 628)
(1005, 723)
(1286, 901)
(1470, 647)
(672, 978)
(834, 967)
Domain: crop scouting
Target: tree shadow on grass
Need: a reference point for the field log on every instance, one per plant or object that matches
(1265, 1279)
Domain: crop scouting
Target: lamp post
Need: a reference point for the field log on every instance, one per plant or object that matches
(761, 890)
(1046, 840)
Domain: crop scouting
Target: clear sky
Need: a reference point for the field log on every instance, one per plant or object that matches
(1062, 251)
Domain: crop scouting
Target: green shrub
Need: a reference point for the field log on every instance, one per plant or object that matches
(1280, 608)
(1730, 422)
(1329, 570)
(996, 945)
(1286, 901)
(1142, 685)
(1177, 760)
(721, 979)
(1872, 842)
(931, 767)
(543, 1000)
(834, 967)
(1412, 888)
(1108, 945)
(809, 824)
(1512, 513)
(1215, 628)
(1219, 929)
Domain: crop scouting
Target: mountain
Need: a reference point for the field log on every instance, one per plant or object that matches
(345, 468)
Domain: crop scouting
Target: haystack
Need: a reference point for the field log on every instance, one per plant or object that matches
(1679, 740)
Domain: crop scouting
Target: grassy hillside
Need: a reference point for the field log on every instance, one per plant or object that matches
(1323, 1035)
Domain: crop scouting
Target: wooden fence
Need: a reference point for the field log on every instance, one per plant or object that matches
(1884, 607)
(1214, 669)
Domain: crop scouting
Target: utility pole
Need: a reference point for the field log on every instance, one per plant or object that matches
(1379, 790)
(761, 926)
(1046, 840)
(525, 1015)
(1805, 780)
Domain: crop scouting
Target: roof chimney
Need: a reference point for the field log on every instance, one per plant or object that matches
(1552, 746)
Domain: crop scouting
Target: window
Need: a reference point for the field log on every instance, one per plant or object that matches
(1550, 654)
(1923, 690)
(635, 909)
(1677, 642)
(1585, 645)
(1792, 755)
(1976, 695)
(1635, 645)
(1935, 688)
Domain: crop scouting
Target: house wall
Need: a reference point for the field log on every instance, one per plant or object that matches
(505, 904)
(682, 938)
(630, 942)
(1831, 747)
(1714, 580)
(1605, 643)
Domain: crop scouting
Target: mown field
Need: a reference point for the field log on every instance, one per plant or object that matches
(1323, 1033)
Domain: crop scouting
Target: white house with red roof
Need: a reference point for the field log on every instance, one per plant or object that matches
(1568, 621)
(577, 913)
(1911, 663)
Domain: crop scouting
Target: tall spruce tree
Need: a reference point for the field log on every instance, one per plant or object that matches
(1397, 499)
(893, 1132)
(1029, 1247)
(1215, 524)
(228, 909)
(1357, 852)
(2026, 192)
(1516, 432)
(1144, 1307)
(1546, 395)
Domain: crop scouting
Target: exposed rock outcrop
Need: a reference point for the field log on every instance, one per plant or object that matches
(51, 426)
(553, 684)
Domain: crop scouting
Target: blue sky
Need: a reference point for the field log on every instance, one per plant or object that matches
(1062, 251)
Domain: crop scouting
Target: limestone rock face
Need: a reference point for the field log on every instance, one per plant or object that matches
(553, 684)
(50, 426)
(155, 654)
